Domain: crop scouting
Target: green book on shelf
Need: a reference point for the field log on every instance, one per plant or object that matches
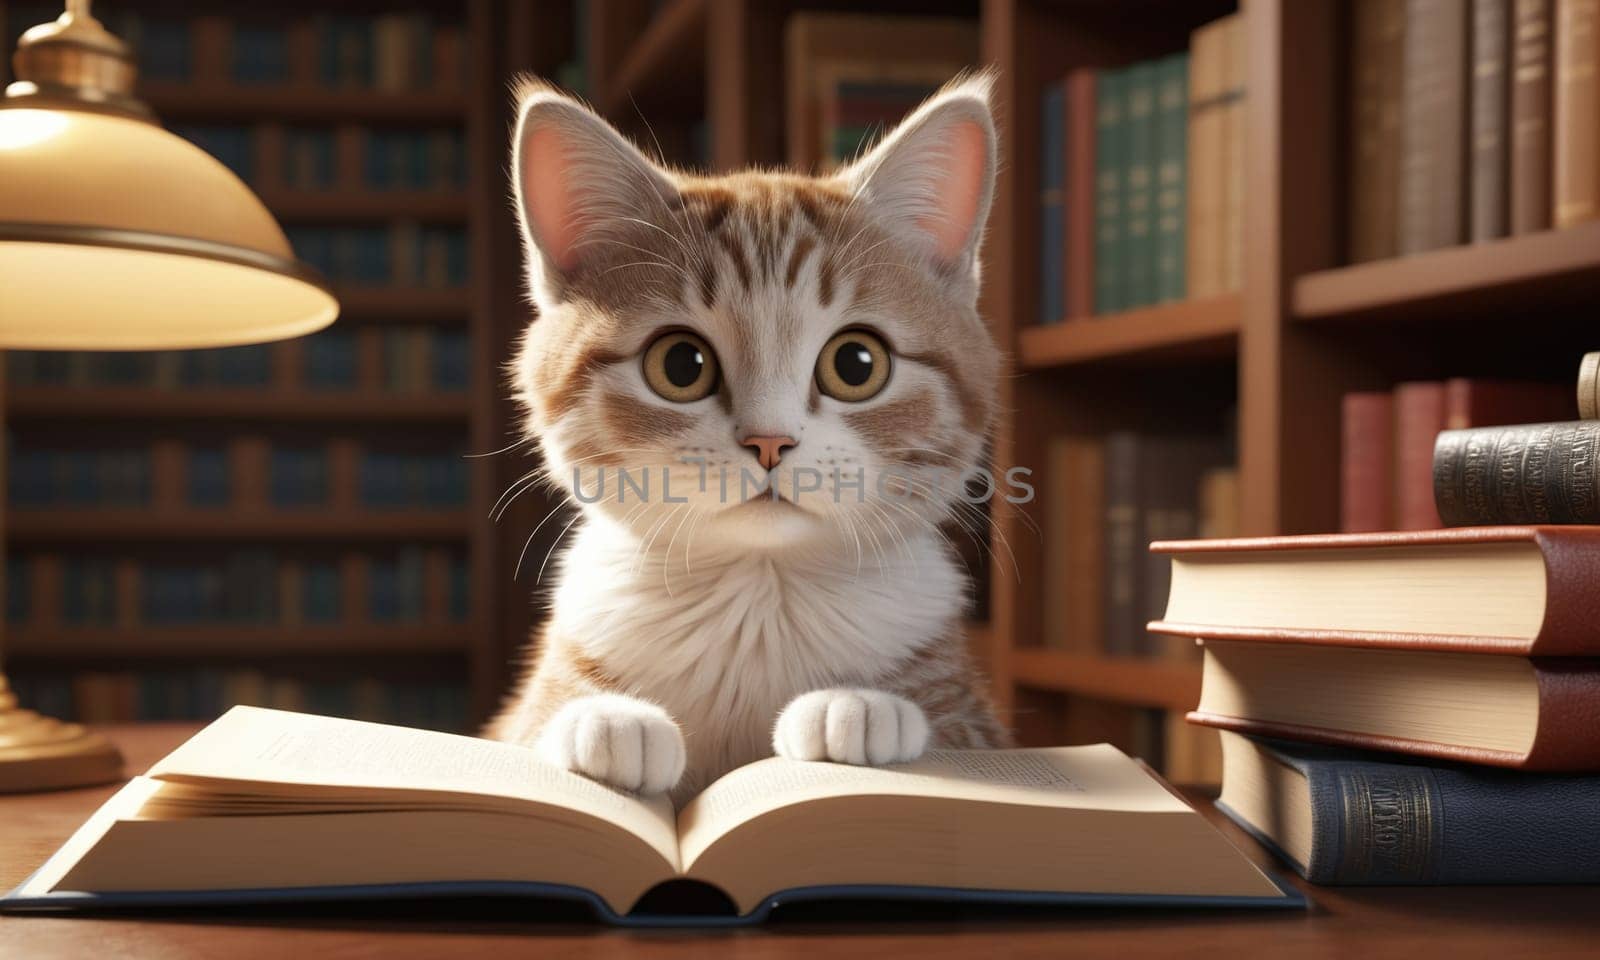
(1139, 221)
(1172, 194)
(1110, 148)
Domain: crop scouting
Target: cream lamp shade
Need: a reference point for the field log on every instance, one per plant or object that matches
(115, 233)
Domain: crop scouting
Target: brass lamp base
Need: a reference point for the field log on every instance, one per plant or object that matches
(38, 753)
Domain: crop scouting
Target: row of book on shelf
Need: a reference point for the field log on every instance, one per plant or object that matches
(412, 584)
(1471, 120)
(1141, 180)
(197, 693)
(390, 52)
(1108, 496)
(1388, 437)
(321, 158)
(400, 359)
(246, 472)
(1413, 706)
(403, 253)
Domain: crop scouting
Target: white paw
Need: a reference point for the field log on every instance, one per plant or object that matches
(851, 726)
(626, 743)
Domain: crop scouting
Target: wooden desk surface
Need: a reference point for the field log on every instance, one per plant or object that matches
(1372, 922)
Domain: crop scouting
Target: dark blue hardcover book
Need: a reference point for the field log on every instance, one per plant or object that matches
(1052, 222)
(1352, 817)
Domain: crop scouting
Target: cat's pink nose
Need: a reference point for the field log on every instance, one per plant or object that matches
(769, 450)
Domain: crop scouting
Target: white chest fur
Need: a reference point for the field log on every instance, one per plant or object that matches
(723, 643)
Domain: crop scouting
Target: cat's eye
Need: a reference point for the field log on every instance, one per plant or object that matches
(854, 366)
(681, 367)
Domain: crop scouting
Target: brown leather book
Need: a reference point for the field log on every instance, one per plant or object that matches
(1080, 198)
(1419, 415)
(1433, 138)
(1577, 102)
(1366, 463)
(1514, 591)
(1497, 711)
(1075, 545)
(1375, 102)
(1490, 167)
(1530, 118)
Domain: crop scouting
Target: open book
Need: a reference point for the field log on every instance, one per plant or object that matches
(269, 805)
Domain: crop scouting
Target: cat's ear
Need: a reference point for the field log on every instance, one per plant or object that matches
(577, 182)
(932, 179)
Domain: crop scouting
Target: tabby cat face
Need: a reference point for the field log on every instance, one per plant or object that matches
(696, 328)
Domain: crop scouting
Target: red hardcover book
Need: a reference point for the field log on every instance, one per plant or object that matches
(1366, 463)
(1080, 192)
(1493, 403)
(1473, 644)
(1419, 415)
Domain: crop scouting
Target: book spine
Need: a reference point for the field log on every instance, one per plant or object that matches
(1078, 203)
(1171, 469)
(1085, 587)
(1376, 78)
(1433, 141)
(1577, 112)
(1205, 162)
(1530, 118)
(1172, 134)
(1491, 403)
(1419, 416)
(1138, 263)
(1110, 137)
(1391, 823)
(1230, 235)
(1123, 626)
(1534, 473)
(1490, 160)
(1366, 481)
(1052, 300)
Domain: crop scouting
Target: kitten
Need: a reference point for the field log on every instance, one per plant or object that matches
(803, 331)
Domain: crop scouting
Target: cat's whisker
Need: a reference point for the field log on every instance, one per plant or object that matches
(534, 533)
(548, 553)
(666, 562)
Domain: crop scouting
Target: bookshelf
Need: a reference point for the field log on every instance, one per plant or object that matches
(1268, 362)
(368, 127)
(1273, 357)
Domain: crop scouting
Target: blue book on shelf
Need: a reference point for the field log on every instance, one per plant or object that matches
(1342, 816)
(1052, 221)
(1043, 833)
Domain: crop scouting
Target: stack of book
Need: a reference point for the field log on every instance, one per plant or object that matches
(1417, 707)
(1471, 120)
(1141, 180)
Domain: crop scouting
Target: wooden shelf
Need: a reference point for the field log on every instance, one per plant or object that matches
(234, 640)
(214, 403)
(666, 65)
(1168, 332)
(403, 303)
(135, 523)
(334, 205)
(1536, 271)
(173, 101)
(1161, 684)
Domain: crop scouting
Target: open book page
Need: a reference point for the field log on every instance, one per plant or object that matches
(1097, 777)
(271, 752)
